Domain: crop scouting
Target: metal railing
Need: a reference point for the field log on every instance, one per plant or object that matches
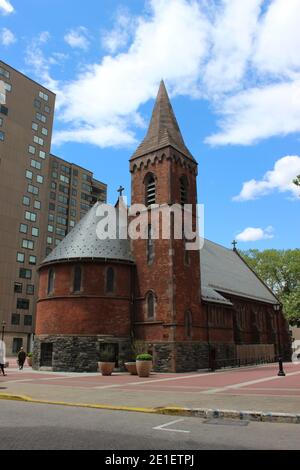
(234, 362)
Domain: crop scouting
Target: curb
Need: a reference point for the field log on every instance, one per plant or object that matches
(257, 416)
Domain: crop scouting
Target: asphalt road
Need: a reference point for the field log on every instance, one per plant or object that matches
(28, 426)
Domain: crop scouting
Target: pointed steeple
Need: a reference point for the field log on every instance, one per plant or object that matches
(163, 129)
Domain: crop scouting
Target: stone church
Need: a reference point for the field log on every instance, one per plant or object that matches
(190, 309)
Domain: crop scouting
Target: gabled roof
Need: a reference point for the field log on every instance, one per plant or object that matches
(163, 128)
(82, 242)
(225, 272)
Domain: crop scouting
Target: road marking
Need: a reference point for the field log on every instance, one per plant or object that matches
(244, 384)
(162, 427)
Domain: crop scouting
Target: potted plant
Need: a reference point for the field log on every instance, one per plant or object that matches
(144, 364)
(131, 367)
(29, 359)
(107, 363)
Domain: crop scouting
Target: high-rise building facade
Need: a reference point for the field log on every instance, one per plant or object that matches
(37, 208)
(72, 192)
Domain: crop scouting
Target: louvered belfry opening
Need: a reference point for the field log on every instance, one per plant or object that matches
(150, 190)
(183, 190)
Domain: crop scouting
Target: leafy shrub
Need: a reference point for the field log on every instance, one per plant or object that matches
(29, 354)
(144, 357)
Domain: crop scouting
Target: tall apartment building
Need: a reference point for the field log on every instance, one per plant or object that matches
(41, 199)
(72, 192)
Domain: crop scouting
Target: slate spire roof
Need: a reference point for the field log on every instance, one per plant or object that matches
(83, 243)
(163, 128)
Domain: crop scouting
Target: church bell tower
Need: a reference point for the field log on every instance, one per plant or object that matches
(167, 313)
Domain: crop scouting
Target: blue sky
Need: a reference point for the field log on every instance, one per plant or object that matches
(232, 69)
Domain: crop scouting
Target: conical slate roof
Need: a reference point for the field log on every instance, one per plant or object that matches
(163, 129)
(82, 242)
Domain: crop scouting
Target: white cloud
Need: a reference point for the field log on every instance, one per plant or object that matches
(241, 56)
(232, 38)
(252, 234)
(7, 37)
(6, 7)
(110, 93)
(278, 41)
(279, 179)
(78, 38)
(118, 37)
(259, 113)
(35, 59)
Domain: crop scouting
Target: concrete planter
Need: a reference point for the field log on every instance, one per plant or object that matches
(106, 368)
(143, 368)
(131, 367)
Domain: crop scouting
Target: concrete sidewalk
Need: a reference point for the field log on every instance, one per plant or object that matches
(122, 391)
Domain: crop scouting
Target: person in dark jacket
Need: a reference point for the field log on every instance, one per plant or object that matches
(21, 358)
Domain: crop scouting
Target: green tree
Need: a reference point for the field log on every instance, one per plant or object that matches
(280, 270)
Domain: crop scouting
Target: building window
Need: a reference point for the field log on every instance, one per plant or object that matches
(51, 275)
(27, 320)
(150, 305)
(47, 109)
(41, 117)
(38, 140)
(62, 210)
(50, 228)
(183, 190)
(15, 319)
(18, 287)
(36, 164)
(25, 273)
(31, 149)
(150, 189)
(44, 131)
(39, 179)
(37, 104)
(23, 228)
(188, 323)
(20, 257)
(31, 216)
(37, 204)
(29, 244)
(1, 121)
(17, 344)
(4, 73)
(22, 304)
(4, 110)
(30, 289)
(77, 279)
(110, 280)
(150, 245)
(32, 259)
(2, 135)
(28, 174)
(33, 189)
(44, 96)
(34, 126)
(42, 154)
(26, 201)
(60, 231)
(35, 232)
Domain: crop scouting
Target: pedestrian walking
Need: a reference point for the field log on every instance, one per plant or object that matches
(2, 356)
(21, 358)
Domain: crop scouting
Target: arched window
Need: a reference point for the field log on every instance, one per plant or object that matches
(110, 280)
(183, 190)
(77, 279)
(51, 274)
(150, 305)
(150, 188)
(188, 324)
(150, 245)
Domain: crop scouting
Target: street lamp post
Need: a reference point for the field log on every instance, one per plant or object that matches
(3, 328)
